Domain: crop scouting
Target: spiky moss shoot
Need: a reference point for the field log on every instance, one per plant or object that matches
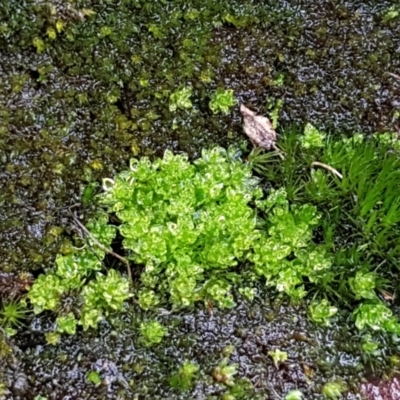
(13, 313)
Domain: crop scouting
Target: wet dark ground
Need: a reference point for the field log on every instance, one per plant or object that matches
(78, 109)
(131, 371)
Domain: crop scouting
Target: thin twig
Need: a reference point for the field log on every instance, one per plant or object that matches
(327, 167)
(100, 245)
(278, 150)
(395, 76)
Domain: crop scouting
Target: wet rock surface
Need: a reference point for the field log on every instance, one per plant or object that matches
(245, 334)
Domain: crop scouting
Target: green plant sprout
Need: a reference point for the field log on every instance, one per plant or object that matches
(312, 137)
(363, 285)
(93, 377)
(225, 372)
(152, 332)
(52, 338)
(66, 324)
(242, 389)
(389, 139)
(222, 101)
(100, 296)
(39, 44)
(278, 356)
(148, 298)
(333, 390)
(13, 313)
(248, 293)
(294, 395)
(185, 376)
(390, 13)
(321, 311)
(369, 346)
(279, 80)
(395, 361)
(376, 315)
(274, 107)
(180, 99)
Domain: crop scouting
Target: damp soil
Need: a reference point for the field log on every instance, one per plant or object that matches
(85, 85)
(129, 370)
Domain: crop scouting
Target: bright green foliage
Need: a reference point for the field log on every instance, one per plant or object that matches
(294, 395)
(225, 372)
(152, 332)
(180, 99)
(102, 231)
(46, 292)
(66, 324)
(274, 108)
(52, 338)
(285, 254)
(185, 376)
(220, 292)
(107, 291)
(357, 255)
(90, 318)
(39, 44)
(275, 113)
(242, 389)
(391, 13)
(186, 222)
(105, 31)
(376, 315)
(312, 137)
(363, 285)
(104, 294)
(192, 224)
(389, 140)
(322, 311)
(12, 313)
(72, 268)
(279, 80)
(9, 331)
(368, 345)
(93, 377)
(100, 296)
(395, 361)
(248, 292)
(333, 390)
(148, 299)
(222, 101)
(278, 356)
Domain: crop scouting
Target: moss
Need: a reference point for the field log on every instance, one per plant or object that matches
(72, 72)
